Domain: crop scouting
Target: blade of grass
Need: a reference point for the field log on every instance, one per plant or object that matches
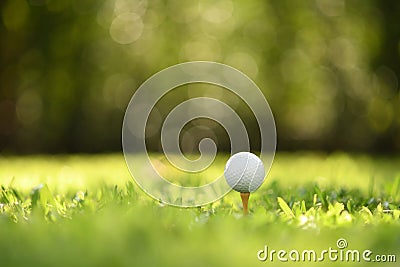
(285, 208)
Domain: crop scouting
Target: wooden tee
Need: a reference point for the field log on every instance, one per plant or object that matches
(245, 202)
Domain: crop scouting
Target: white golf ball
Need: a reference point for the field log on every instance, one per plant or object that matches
(244, 172)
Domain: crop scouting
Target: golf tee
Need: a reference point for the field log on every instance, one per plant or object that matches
(245, 202)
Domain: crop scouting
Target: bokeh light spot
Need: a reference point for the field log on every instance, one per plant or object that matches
(343, 54)
(138, 7)
(15, 14)
(216, 11)
(331, 8)
(126, 28)
(201, 48)
(29, 107)
(380, 115)
(243, 62)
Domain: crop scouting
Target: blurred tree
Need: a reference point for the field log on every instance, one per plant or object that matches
(329, 69)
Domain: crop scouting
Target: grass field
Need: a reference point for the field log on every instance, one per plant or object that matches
(80, 210)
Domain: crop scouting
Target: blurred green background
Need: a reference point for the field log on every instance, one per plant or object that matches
(329, 69)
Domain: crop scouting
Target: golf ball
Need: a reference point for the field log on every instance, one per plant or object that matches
(244, 172)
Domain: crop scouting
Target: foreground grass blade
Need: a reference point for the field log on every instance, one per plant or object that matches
(285, 208)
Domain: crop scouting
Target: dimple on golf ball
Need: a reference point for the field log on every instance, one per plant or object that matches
(244, 172)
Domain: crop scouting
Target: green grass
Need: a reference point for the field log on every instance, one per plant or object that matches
(86, 211)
